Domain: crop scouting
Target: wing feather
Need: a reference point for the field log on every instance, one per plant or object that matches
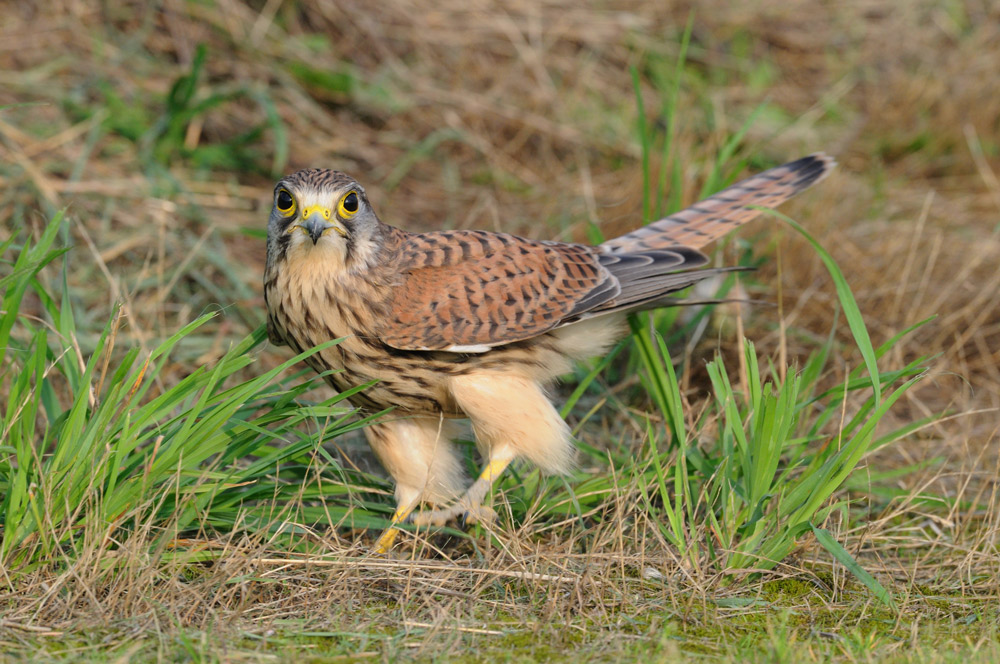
(474, 290)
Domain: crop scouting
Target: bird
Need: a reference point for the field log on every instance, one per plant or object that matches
(454, 324)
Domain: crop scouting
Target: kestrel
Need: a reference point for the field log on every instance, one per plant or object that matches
(472, 324)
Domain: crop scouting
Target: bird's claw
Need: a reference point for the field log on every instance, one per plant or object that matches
(480, 514)
(436, 518)
(465, 515)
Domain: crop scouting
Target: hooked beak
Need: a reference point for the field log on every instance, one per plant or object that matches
(315, 223)
(315, 228)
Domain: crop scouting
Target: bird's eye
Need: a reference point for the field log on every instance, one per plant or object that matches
(348, 205)
(285, 203)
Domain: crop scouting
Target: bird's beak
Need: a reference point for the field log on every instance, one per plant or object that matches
(316, 220)
(315, 228)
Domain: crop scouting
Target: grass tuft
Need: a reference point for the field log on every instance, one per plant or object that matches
(211, 452)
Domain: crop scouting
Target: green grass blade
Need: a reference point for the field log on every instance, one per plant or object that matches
(847, 301)
(842, 556)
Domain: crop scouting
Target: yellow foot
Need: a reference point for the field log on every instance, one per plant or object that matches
(385, 540)
(436, 518)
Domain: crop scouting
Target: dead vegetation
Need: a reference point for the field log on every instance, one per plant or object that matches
(520, 117)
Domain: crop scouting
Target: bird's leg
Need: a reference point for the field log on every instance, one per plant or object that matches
(417, 453)
(470, 505)
(512, 418)
(408, 501)
(472, 501)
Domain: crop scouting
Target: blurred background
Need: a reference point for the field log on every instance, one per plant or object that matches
(161, 127)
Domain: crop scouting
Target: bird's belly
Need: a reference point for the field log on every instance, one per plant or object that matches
(404, 382)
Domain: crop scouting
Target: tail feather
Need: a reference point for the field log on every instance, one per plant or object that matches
(715, 216)
(655, 293)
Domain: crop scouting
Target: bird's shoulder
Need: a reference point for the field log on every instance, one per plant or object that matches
(473, 247)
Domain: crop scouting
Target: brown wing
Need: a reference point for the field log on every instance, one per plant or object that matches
(715, 216)
(467, 291)
(470, 290)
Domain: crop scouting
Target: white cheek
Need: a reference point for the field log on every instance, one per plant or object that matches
(364, 254)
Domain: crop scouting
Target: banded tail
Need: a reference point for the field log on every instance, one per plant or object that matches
(710, 219)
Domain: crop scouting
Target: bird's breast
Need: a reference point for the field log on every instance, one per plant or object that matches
(313, 301)
(310, 304)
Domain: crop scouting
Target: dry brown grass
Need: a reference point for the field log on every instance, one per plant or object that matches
(499, 116)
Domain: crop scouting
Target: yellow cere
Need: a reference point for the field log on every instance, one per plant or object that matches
(316, 209)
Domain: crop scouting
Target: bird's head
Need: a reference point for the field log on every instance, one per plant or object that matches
(321, 214)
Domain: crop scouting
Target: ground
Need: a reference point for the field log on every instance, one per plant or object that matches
(160, 131)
